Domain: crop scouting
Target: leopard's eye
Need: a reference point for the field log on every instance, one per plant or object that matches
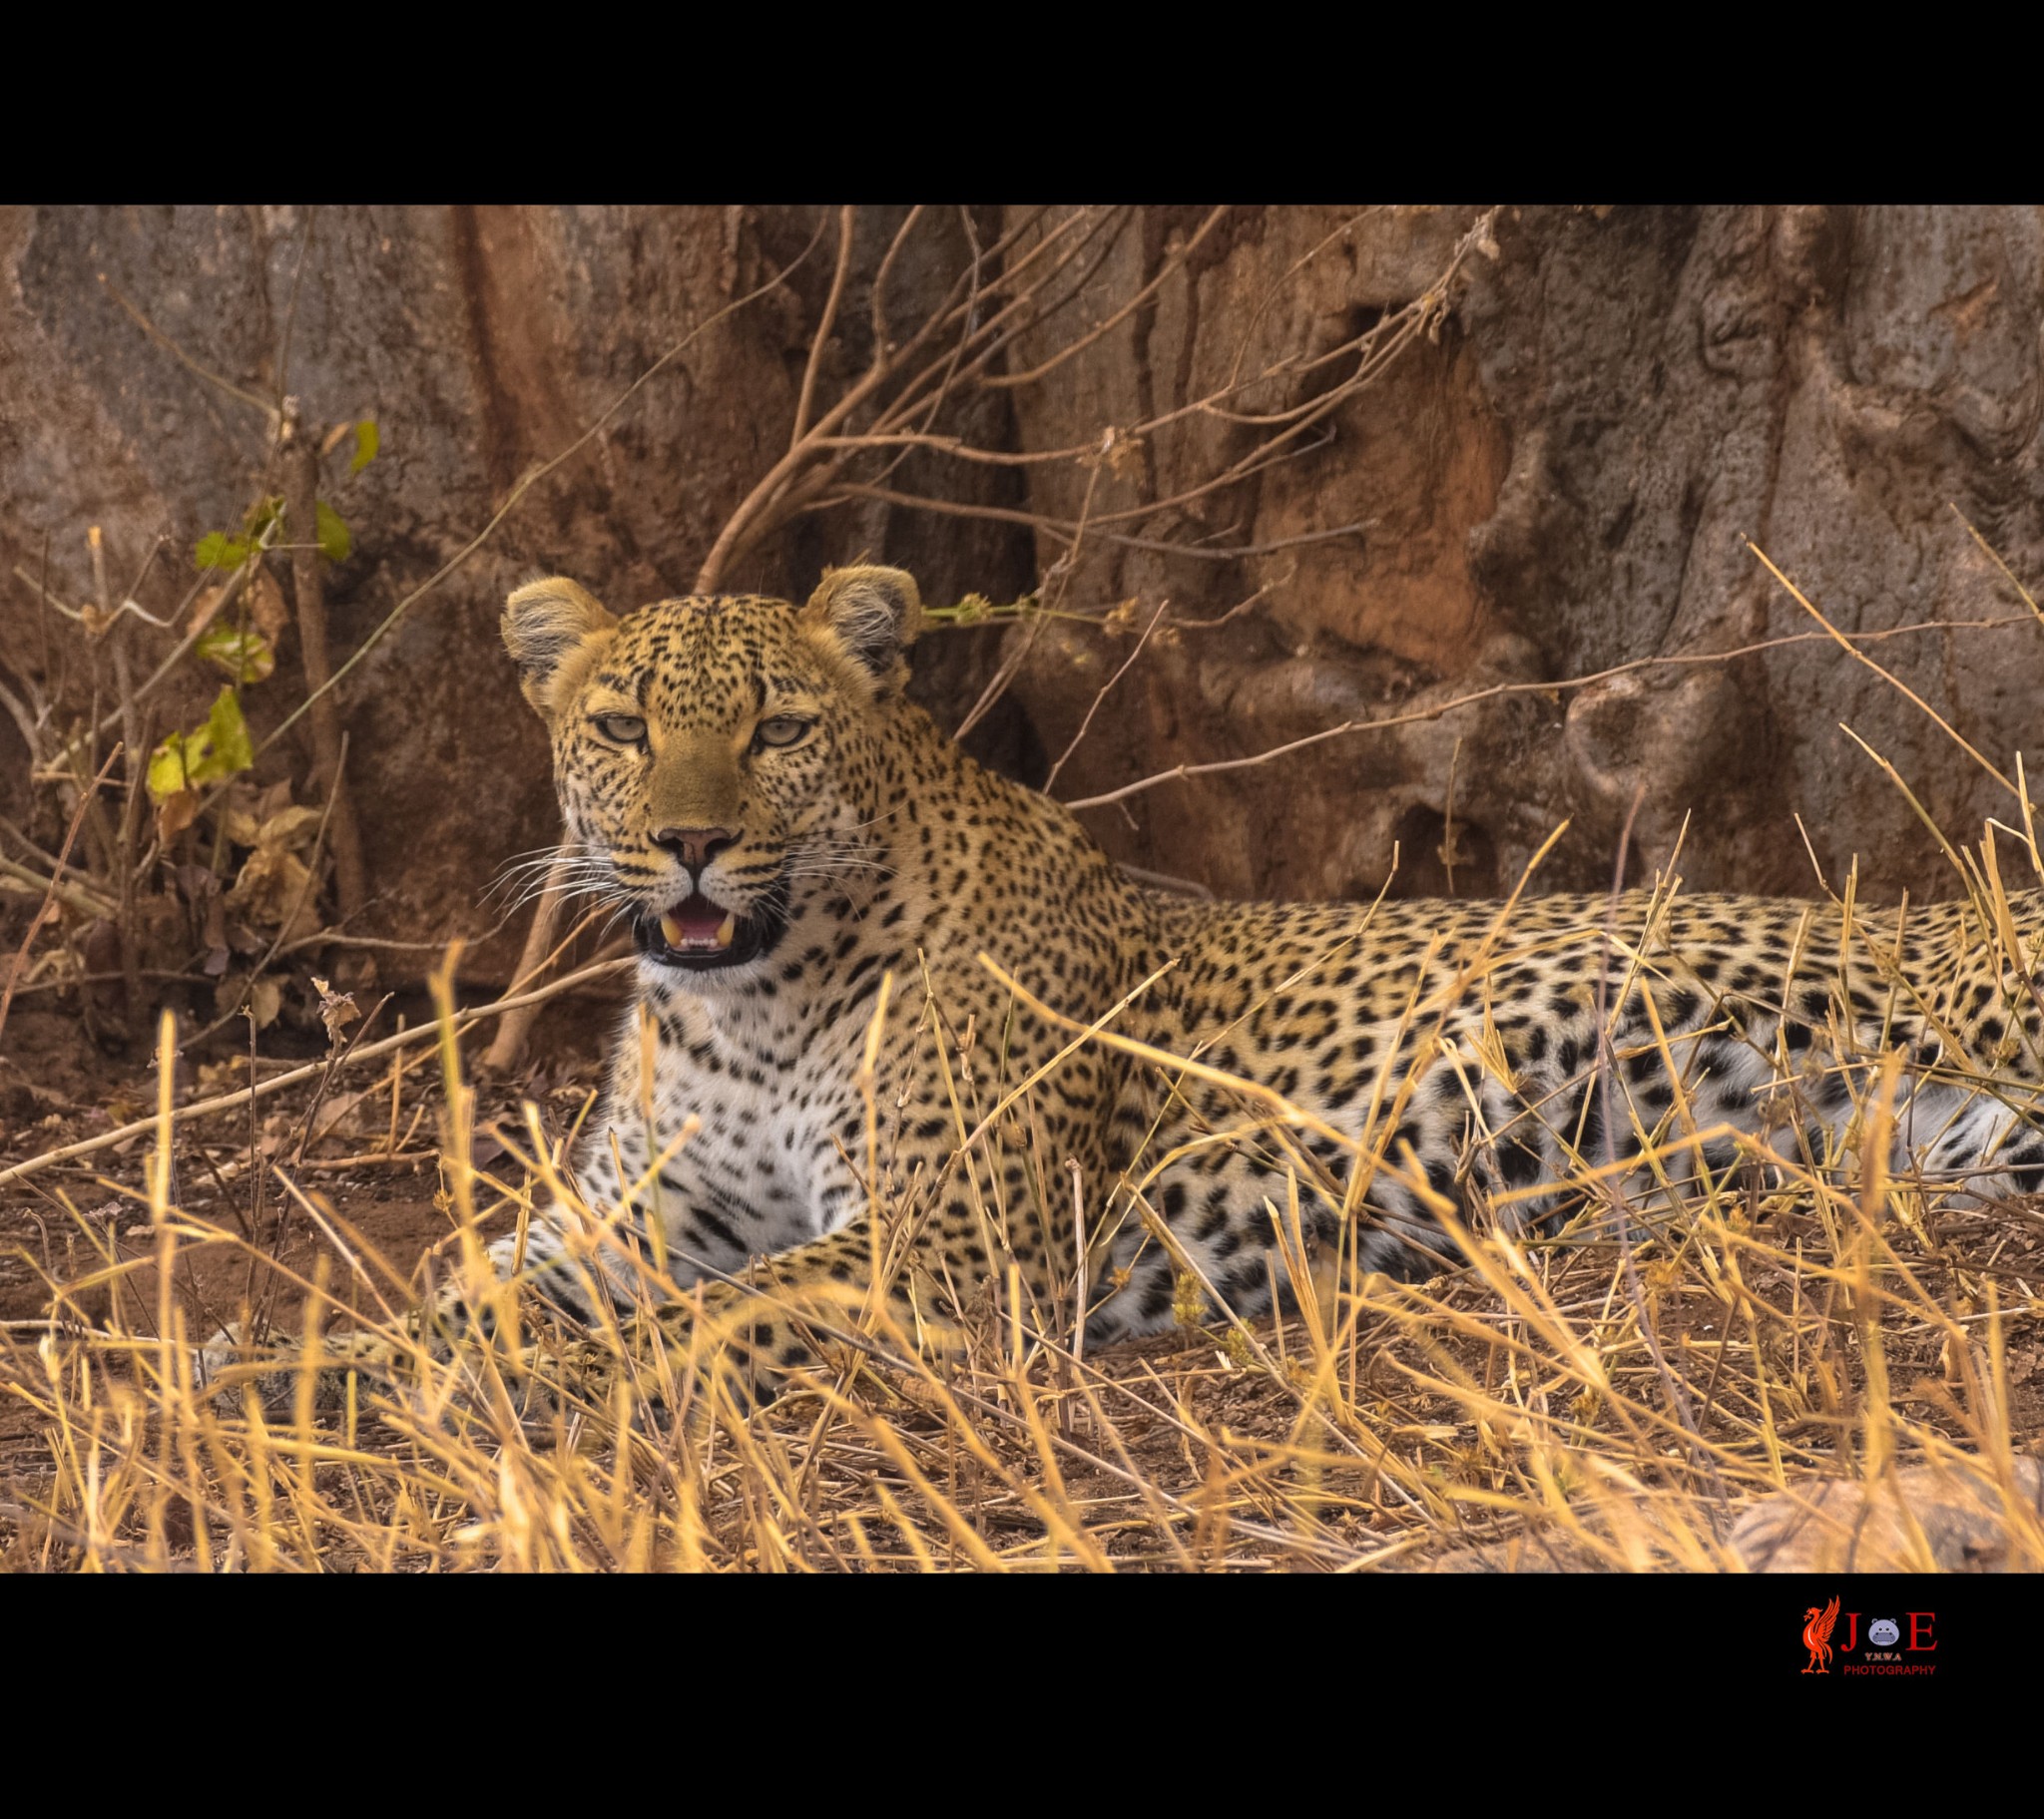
(782, 729)
(622, 728)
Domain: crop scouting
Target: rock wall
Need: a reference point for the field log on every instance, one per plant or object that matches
(1565, 482)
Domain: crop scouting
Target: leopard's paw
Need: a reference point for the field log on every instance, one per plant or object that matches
(342, 1365)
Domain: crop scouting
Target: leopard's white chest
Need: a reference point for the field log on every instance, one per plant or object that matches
(744, 1153)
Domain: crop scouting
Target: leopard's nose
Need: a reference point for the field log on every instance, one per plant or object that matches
(693, 846)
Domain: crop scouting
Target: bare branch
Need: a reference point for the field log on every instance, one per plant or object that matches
(1500, 690)
(845, 217)
(880, 277)
(1166, 270)
(330, 742)
(35, 922)
(1106, 689)
(207, 373)
(1894, 682)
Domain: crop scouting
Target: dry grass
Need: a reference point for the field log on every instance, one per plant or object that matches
(1592, 1398)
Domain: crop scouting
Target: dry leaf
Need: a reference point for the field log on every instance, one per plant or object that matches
(265, 605)
(1122, 453)
(266, 610)
(350, 1114)
(289, 827)
(173, 814)
(273, 883)
(217, 1077)
(272, 823)
(204, 610)
(264, 998)
(273, 879)
(337, 1009)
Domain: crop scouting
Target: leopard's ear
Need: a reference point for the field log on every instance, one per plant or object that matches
(553, 630)
(872, 614)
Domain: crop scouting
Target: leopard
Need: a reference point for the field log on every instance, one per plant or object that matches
(905, 1043)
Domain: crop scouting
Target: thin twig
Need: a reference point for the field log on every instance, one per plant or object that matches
(508, 1045)
(330, 742)
(21, 880)
(820, 340)
(1887, 676)
(1106, 688)
(62, 858)
(207, 373)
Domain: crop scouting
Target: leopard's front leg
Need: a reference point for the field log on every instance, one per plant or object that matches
(970, 1225)
(746, 1337)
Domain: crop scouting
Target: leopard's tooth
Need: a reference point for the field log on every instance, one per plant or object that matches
(726, 930)
(671, 930)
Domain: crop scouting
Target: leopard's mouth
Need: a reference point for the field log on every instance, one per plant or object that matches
(700, 934)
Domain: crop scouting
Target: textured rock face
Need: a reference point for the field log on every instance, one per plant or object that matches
(1564, 483)
(1559, 483)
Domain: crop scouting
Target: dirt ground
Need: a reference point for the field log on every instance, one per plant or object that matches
(58, 1087)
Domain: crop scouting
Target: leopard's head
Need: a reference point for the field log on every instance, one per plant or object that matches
(716, 756)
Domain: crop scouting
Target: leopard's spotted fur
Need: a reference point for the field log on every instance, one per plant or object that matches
(1412, 1056)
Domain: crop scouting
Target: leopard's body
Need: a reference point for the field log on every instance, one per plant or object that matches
(1373, 1065)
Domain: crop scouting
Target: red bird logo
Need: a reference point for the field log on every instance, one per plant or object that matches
(1817, 1635)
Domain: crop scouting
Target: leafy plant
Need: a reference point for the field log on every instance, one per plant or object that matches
(186, 763)
(243, 652)
(332, 533)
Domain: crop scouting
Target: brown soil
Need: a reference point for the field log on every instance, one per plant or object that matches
(76, 1221)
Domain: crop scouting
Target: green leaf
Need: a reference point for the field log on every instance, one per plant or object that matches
(168, 772)
(333, 539)
(217, 549)
(245, 655)
(367, 440)
(233, 749)
(262, 515)
(212, 753)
